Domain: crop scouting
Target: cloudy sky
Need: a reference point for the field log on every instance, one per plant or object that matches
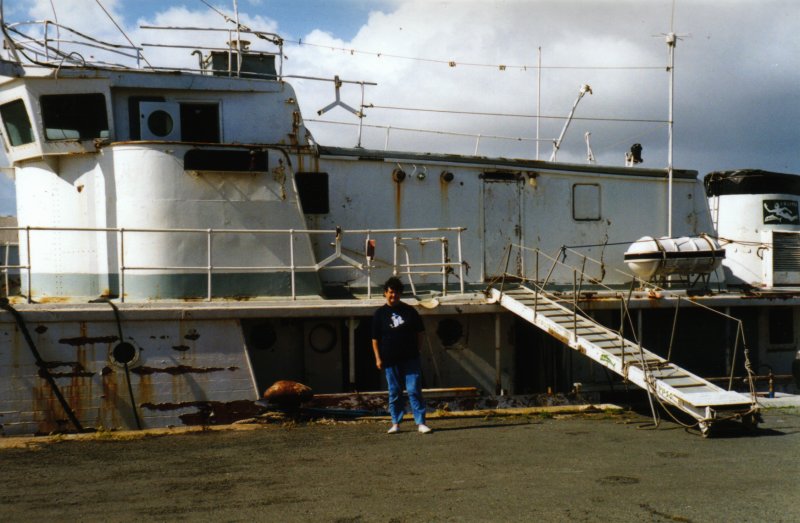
(735, 79)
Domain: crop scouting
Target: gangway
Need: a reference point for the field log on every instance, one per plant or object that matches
(671, 384)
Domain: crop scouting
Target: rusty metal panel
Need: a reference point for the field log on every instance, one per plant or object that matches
(180, 368)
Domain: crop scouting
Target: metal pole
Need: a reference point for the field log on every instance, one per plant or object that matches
(671, 41)
(621, 330)
(575, 305)
(498, 384)
(369, 271)
(360, 116)
(394, 256)
(557, 145)
(291, 262)
(727, 342)
(5, 269)
(351, 347)
(122, 265)
(460, 264)
(238, 39)
(674, 324)
(209, 265)
(735, 350)
(477, 143)
(538, 98)
(639, 326)
(444, 266)
(28, 250)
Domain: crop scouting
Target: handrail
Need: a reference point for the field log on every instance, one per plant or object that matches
(445, 266)
(53, 55)
(4, 268)
(48, 51)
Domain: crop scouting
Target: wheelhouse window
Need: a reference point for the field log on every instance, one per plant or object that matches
(74, 116)
(586, 202)
(312, 188)
(16, 122)
(200, 122)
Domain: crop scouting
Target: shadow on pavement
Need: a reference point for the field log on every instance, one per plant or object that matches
(486, 426)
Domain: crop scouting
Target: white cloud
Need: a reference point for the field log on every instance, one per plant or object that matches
(734, 86)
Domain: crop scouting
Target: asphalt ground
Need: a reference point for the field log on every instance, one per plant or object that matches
(536, 467)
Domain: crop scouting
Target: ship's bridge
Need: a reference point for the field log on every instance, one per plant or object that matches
(86, 110)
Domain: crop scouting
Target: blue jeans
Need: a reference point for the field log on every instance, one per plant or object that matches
(406, 372)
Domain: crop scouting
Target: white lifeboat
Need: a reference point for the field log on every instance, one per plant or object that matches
(649, 257)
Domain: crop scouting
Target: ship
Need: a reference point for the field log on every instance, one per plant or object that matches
(183, 243)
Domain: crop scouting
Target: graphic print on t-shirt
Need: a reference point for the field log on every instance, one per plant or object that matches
(397, 320)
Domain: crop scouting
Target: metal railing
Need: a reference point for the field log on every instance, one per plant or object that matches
(6, 266)
(36, 41)
(47, 49)
(342, 258)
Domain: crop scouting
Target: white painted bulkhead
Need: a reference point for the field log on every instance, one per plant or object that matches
(752, 241)
(100, 183)
(364, 192)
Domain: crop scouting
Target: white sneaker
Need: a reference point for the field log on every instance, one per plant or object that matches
(394, 430)
(424, 429)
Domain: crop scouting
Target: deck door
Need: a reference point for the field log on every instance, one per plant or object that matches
(502, 222)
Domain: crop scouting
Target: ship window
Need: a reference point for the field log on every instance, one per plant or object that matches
(200, 122)
(74, 116)
(312, 188)
(585, 202)
(17, 124)
(160, 123)
(781, 326)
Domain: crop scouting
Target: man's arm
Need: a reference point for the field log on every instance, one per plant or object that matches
(377, 352)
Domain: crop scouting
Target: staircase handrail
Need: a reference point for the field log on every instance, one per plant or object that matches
(557, 261)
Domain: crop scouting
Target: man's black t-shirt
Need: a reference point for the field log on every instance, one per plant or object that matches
(396, 330)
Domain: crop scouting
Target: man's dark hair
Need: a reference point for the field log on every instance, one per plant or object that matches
(395, 284)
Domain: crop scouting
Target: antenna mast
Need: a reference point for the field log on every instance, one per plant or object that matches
(671, 40)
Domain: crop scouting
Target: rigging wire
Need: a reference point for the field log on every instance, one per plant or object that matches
(478, 113)
(99, 3)
(454, 63)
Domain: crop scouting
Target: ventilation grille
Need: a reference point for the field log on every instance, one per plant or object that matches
(786, 256)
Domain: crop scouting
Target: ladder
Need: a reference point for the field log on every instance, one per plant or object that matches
(673, 385)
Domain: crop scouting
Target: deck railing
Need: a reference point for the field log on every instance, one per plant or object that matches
(447, 266)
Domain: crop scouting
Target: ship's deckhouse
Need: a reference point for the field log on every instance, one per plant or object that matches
(153, 152)
(757, 214)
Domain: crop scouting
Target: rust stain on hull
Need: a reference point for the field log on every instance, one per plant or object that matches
(87, 340)
(77, 370)
(179, 369)
(209, 412)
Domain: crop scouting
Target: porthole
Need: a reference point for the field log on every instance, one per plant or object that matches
(263, 336)
(160, 123)
(124, 353)
(449, 331)
(322, 338)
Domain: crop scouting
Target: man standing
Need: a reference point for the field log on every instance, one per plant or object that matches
(396, 336)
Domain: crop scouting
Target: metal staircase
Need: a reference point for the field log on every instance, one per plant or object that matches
(672, 385)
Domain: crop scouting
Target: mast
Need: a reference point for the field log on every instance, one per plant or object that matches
(671, 41)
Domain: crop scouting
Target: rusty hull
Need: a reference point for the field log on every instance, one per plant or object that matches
(199, 365)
